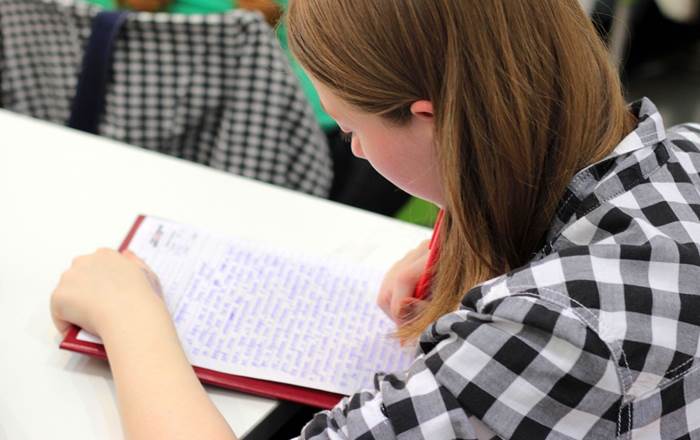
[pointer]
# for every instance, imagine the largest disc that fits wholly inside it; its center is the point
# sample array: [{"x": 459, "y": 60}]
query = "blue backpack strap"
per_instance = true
[{"x": 89, "y": 101}]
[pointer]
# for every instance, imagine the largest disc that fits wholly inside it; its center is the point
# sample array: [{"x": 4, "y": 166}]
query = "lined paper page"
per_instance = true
[{"x": 252, "y": 310}]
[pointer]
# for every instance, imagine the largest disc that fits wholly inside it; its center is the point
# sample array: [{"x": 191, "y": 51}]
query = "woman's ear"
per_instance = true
[{"x": 422, "y": 109}]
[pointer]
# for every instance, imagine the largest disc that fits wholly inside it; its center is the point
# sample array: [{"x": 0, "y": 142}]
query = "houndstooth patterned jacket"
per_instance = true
[
  {"x": 215, "y": 89},
  {"x": 596, "y": 338}
]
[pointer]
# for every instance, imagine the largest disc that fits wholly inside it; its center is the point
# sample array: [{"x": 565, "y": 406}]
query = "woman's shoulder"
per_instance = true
[
  {"x": 635, "y": 305},
  {"x": 685, "y": 136}
]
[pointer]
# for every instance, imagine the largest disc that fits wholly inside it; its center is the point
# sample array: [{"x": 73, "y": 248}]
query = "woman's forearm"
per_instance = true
[{"x": 159, "y": 394}]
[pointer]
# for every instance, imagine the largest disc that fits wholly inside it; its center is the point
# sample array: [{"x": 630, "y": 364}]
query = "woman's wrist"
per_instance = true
[
  {"x": 139, "y": 316},
  {"x": 159, "y": 394}
]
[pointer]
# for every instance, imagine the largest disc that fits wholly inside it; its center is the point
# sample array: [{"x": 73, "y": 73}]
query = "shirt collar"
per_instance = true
[
  {"x": 648, "y": 133},
  {"x": 650, "y": 129}
]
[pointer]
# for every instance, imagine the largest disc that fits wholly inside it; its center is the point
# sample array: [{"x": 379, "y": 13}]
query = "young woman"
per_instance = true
[{"x": 564, "y": 300}]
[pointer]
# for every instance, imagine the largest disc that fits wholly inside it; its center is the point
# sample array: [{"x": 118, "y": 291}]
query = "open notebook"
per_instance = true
[{"x": 274, "y": 322}]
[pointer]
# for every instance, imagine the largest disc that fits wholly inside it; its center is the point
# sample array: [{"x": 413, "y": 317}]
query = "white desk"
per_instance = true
[{"x": 64, "y": 193}]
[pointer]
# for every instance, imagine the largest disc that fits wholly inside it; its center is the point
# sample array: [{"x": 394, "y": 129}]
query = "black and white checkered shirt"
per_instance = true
[
  {"x": 596, "y": 338},
  {"x": 216, "y": 89}
]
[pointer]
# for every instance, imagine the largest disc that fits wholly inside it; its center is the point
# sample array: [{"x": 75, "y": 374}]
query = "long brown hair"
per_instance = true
[{"x": 524, "y": 95}]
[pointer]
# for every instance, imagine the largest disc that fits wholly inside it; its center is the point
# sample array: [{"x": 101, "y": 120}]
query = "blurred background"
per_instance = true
[{"x": 657, "y": 43}]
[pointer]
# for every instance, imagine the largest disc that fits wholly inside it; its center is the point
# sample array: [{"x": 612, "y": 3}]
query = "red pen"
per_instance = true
[{"x": 423, "y": 285}]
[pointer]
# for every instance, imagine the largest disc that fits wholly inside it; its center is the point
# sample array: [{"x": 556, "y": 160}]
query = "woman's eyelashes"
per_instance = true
[{"x": 346, "y": 136}]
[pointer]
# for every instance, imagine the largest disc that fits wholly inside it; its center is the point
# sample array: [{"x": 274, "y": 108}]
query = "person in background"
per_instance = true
[
  {"x": 269, "y": 8},
  {"x": 355, "y": 182},
  {"x": 561, "y": 301}
]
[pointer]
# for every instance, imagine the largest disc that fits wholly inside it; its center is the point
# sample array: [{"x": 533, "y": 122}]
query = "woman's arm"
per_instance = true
[
  {"x": 158, "y": 392},
  {"x": 114, "y": 296},
  {"x": 523, "y": 367}
]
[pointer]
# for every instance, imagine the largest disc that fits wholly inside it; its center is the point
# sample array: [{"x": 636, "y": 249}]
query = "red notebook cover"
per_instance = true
[{"x": 264, "y": 388}]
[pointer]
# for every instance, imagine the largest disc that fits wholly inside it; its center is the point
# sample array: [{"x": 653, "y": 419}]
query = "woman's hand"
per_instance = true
[
  {"x": 103, "y": 289},
  {"x": 396, "y": 292},
  {"x": 115, "y": 296}
]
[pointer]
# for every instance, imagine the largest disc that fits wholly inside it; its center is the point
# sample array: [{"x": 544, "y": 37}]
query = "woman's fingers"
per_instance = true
[
  {"x": 99, "y": 289},
  {"x": 133, "y": 257},
  {"x": 408, "y": 308},
  {"x": 58, "y": 300},
  {"x": 152, "y": 277},
  {"x": 61, "y": 325},
  {"x": 384, "y": 297},
  {"x": 400, "y": 281},
  {"x": 405, "y": 285}
]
